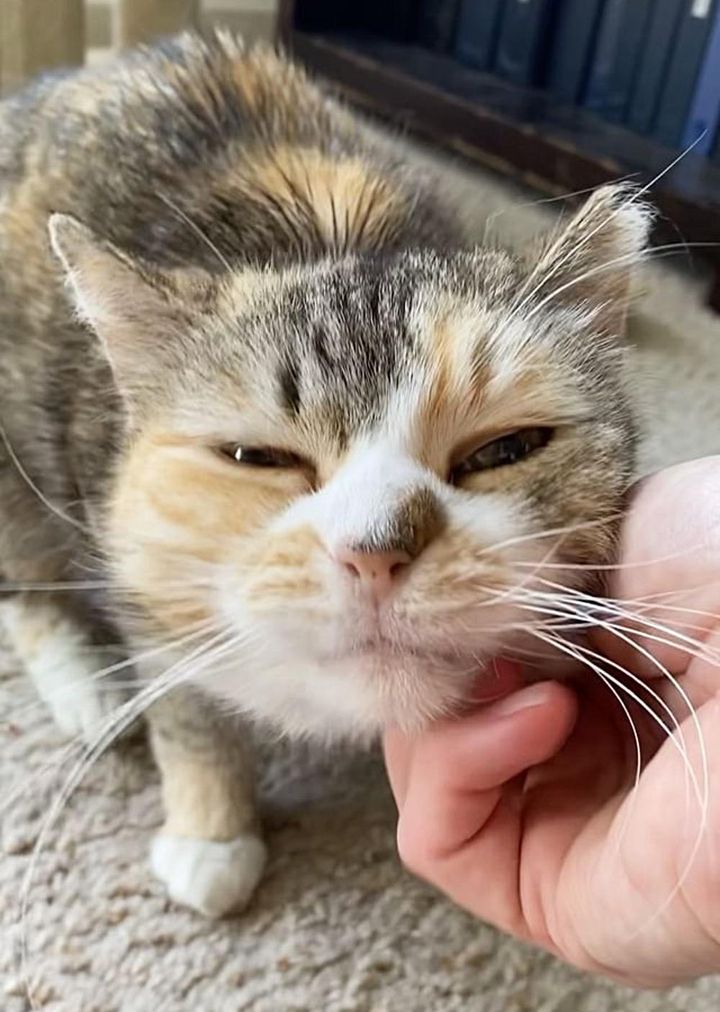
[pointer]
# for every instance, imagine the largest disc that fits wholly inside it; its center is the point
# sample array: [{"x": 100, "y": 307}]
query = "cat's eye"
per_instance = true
[
  {"x": 500, "y": 452},
  {"x": 260, "y": 456}
]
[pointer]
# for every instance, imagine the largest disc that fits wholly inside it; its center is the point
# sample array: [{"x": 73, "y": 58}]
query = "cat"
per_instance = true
[{"x": 269, "y": 422}]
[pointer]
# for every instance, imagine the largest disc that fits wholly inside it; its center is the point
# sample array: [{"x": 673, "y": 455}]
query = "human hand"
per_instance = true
[{"x": 524, "y": 811}]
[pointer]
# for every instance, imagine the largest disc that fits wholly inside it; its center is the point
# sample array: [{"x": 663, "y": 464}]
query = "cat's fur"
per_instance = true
[{"x": 256, "y": 266}]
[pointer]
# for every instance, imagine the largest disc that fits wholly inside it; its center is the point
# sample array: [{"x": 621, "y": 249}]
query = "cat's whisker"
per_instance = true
[
  {"x": 661, "y": 595},
  {"x": 559, "y": 262},
  {"x": 77, "y": 744},
  {"x": 649, "y": 608},
  {"x": 511, "y": 589},
  {"x": 673, "y": 637},
  {"x": 678, "y": 744},
  {"x": 9, "y": 587},
  {"x": 125, "y": 715},
  {"x": 613, "y": 630},
  {"x": 67, "y": 688},
  {"x": 558, "y": 607},
  {"x": 37, "y": 492},
  {"x": 574, "y": 621},
  {"x": 178, "y": 211},
  {"x": 527, "y": 580},
  {"x": 628, "y": 260},
  {"x": 526, "y": 654},
  {"x": 549, "y": 533},
  {"x": 624, "y": 706},
  {"x": 633, "y": 731},
  {"x": 702, "y": 793},
  {"x": 591, "y": 567},
  {"x": 703, "y": 797},
  {"x": 490, "y": 220}
]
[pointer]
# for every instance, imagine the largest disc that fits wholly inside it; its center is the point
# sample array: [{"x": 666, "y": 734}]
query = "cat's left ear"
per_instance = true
[
  {"x": 139, "y": 314},
  {"x": 589, "y": 262}
]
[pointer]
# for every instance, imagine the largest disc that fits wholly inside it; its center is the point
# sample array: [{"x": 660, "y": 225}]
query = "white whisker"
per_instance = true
[
  {"x": 549, "y": 533},
  {"x": 56, "y": 510},
  {"x": 636, "y": 741},
  {"x": 627, "y": 260},
  {"x": 592, "y": 567},
  {"x": 557, "y": 264},
  {"x": 9, "y": 587},
  {"x": 177, "y": 674},
  {"x": 197, "y": 230},
  {"x": 68, "y": 686},
  {"x": 677, "y": 639},
  {"x": 702, "y": 793}
]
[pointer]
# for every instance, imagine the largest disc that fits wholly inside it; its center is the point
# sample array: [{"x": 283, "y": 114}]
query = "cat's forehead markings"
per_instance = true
[
  {"x": 239, "y": 288},
  {"x": 288, "y": 377},
  {"x": 442, "y": 341},
  {"x": 319, "y": 340},
  {"x": 347, "y": 200},
  {"x": 456, "y": 342}
]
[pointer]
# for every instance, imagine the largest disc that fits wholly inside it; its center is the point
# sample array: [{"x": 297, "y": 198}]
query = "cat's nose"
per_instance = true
[{"x": 377, "y": 571}]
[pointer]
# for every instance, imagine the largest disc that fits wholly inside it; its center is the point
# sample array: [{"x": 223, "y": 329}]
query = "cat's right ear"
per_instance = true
[
  {"x": 138, "y": 314},
  {"x": 589, "y": 261}
]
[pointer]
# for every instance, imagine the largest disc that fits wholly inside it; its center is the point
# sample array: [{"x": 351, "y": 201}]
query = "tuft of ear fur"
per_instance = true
[
  {"x": 590, "y": 260},
  {"x": 137, "y": 313}
]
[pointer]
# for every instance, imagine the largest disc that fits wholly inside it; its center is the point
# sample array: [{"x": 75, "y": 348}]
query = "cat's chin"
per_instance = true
[{"x": 355, "y": 696}]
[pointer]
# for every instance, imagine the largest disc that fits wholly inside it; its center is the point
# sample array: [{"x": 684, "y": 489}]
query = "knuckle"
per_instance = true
[{"x": 416, "y": 853}]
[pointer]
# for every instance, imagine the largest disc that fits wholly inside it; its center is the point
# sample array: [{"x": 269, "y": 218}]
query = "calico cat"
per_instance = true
[{"x": 311, "y": 447}]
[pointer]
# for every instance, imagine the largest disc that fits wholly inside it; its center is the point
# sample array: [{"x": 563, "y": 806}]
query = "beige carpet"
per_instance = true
[{"x": 336, "y": 926}]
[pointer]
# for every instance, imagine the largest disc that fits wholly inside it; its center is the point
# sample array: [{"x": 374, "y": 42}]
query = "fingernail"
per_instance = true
[{"x": 535, "y": 695}]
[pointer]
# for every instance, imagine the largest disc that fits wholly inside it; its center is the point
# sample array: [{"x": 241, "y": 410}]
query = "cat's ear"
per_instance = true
[
  {"x": 139, "y": 315},
  {"x": 589, "y": 261}
]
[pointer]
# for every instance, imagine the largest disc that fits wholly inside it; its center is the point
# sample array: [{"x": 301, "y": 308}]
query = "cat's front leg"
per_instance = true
[
  {"x": 58, "y": 652},
  {"x": 209, "y": 853}
]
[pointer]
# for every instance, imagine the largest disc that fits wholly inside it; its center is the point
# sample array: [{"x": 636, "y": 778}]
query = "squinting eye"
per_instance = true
[
  {"x": 505, "y": 450},
  {"x": 260, "y": 456}
]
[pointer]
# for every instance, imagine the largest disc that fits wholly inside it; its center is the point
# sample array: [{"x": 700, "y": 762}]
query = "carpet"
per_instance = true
[{"x": 336, "y": 926}]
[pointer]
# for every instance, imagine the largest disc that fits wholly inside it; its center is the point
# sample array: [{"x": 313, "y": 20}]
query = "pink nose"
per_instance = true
[{"x": 378, "y": 571}]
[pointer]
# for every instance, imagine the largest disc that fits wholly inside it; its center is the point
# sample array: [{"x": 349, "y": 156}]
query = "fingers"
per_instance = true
[
  {"x": 671, "y": 536},
  {"x": 669, "y": 570},
  {"x": 660, "y": 867},
  {"x": 459, "y": 823},
  {"x": 498, "y": 679}
]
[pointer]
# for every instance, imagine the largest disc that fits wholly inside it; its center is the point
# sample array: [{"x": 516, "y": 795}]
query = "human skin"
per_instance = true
[{"x": 524, "y": 811}]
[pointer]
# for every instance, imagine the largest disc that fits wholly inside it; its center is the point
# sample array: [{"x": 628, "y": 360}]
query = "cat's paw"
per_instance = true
[
  {"x": 65, "y": 669},
  {"x": 81, "y": 701},
  {"x": 211, "y": 877},
  {"x": 83, "y": 709}
]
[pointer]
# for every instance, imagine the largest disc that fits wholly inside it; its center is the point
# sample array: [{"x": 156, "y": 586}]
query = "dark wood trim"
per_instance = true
[
  {"x": 284, "y": 22},
  {"x": 714, "y": 294},
  {"x": 516, "y": 131}
]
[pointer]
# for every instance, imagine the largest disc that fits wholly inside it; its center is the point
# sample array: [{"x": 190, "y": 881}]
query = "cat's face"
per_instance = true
[{"x": 361, "y": 471}]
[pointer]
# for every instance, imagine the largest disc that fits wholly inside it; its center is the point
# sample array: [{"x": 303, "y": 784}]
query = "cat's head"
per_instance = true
[{"x": 359, "y": 473}]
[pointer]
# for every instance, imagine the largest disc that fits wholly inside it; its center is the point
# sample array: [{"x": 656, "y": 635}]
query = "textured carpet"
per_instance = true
[{"x": 336, "y": 926}]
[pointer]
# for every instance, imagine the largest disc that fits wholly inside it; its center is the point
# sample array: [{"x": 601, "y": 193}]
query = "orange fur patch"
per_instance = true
[
  {"x": 345, "y": 200},
  {"x": 282, "y": 567},
  {"x": 453, "y": 392},
  {"x": 201, "y": 798},
  {"x": 175, "y": 517}
]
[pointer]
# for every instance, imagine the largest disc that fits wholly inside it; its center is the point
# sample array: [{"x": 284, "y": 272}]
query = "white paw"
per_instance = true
[
  {"x": 65, "y": 668},
  {"x": 211, "y": 877},
  {"x": 82, "y": 708},
  {"x": 80, "y": 698}
]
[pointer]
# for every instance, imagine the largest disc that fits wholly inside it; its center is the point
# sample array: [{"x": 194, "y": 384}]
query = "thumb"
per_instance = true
[{"x": 458, "y": 828}]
